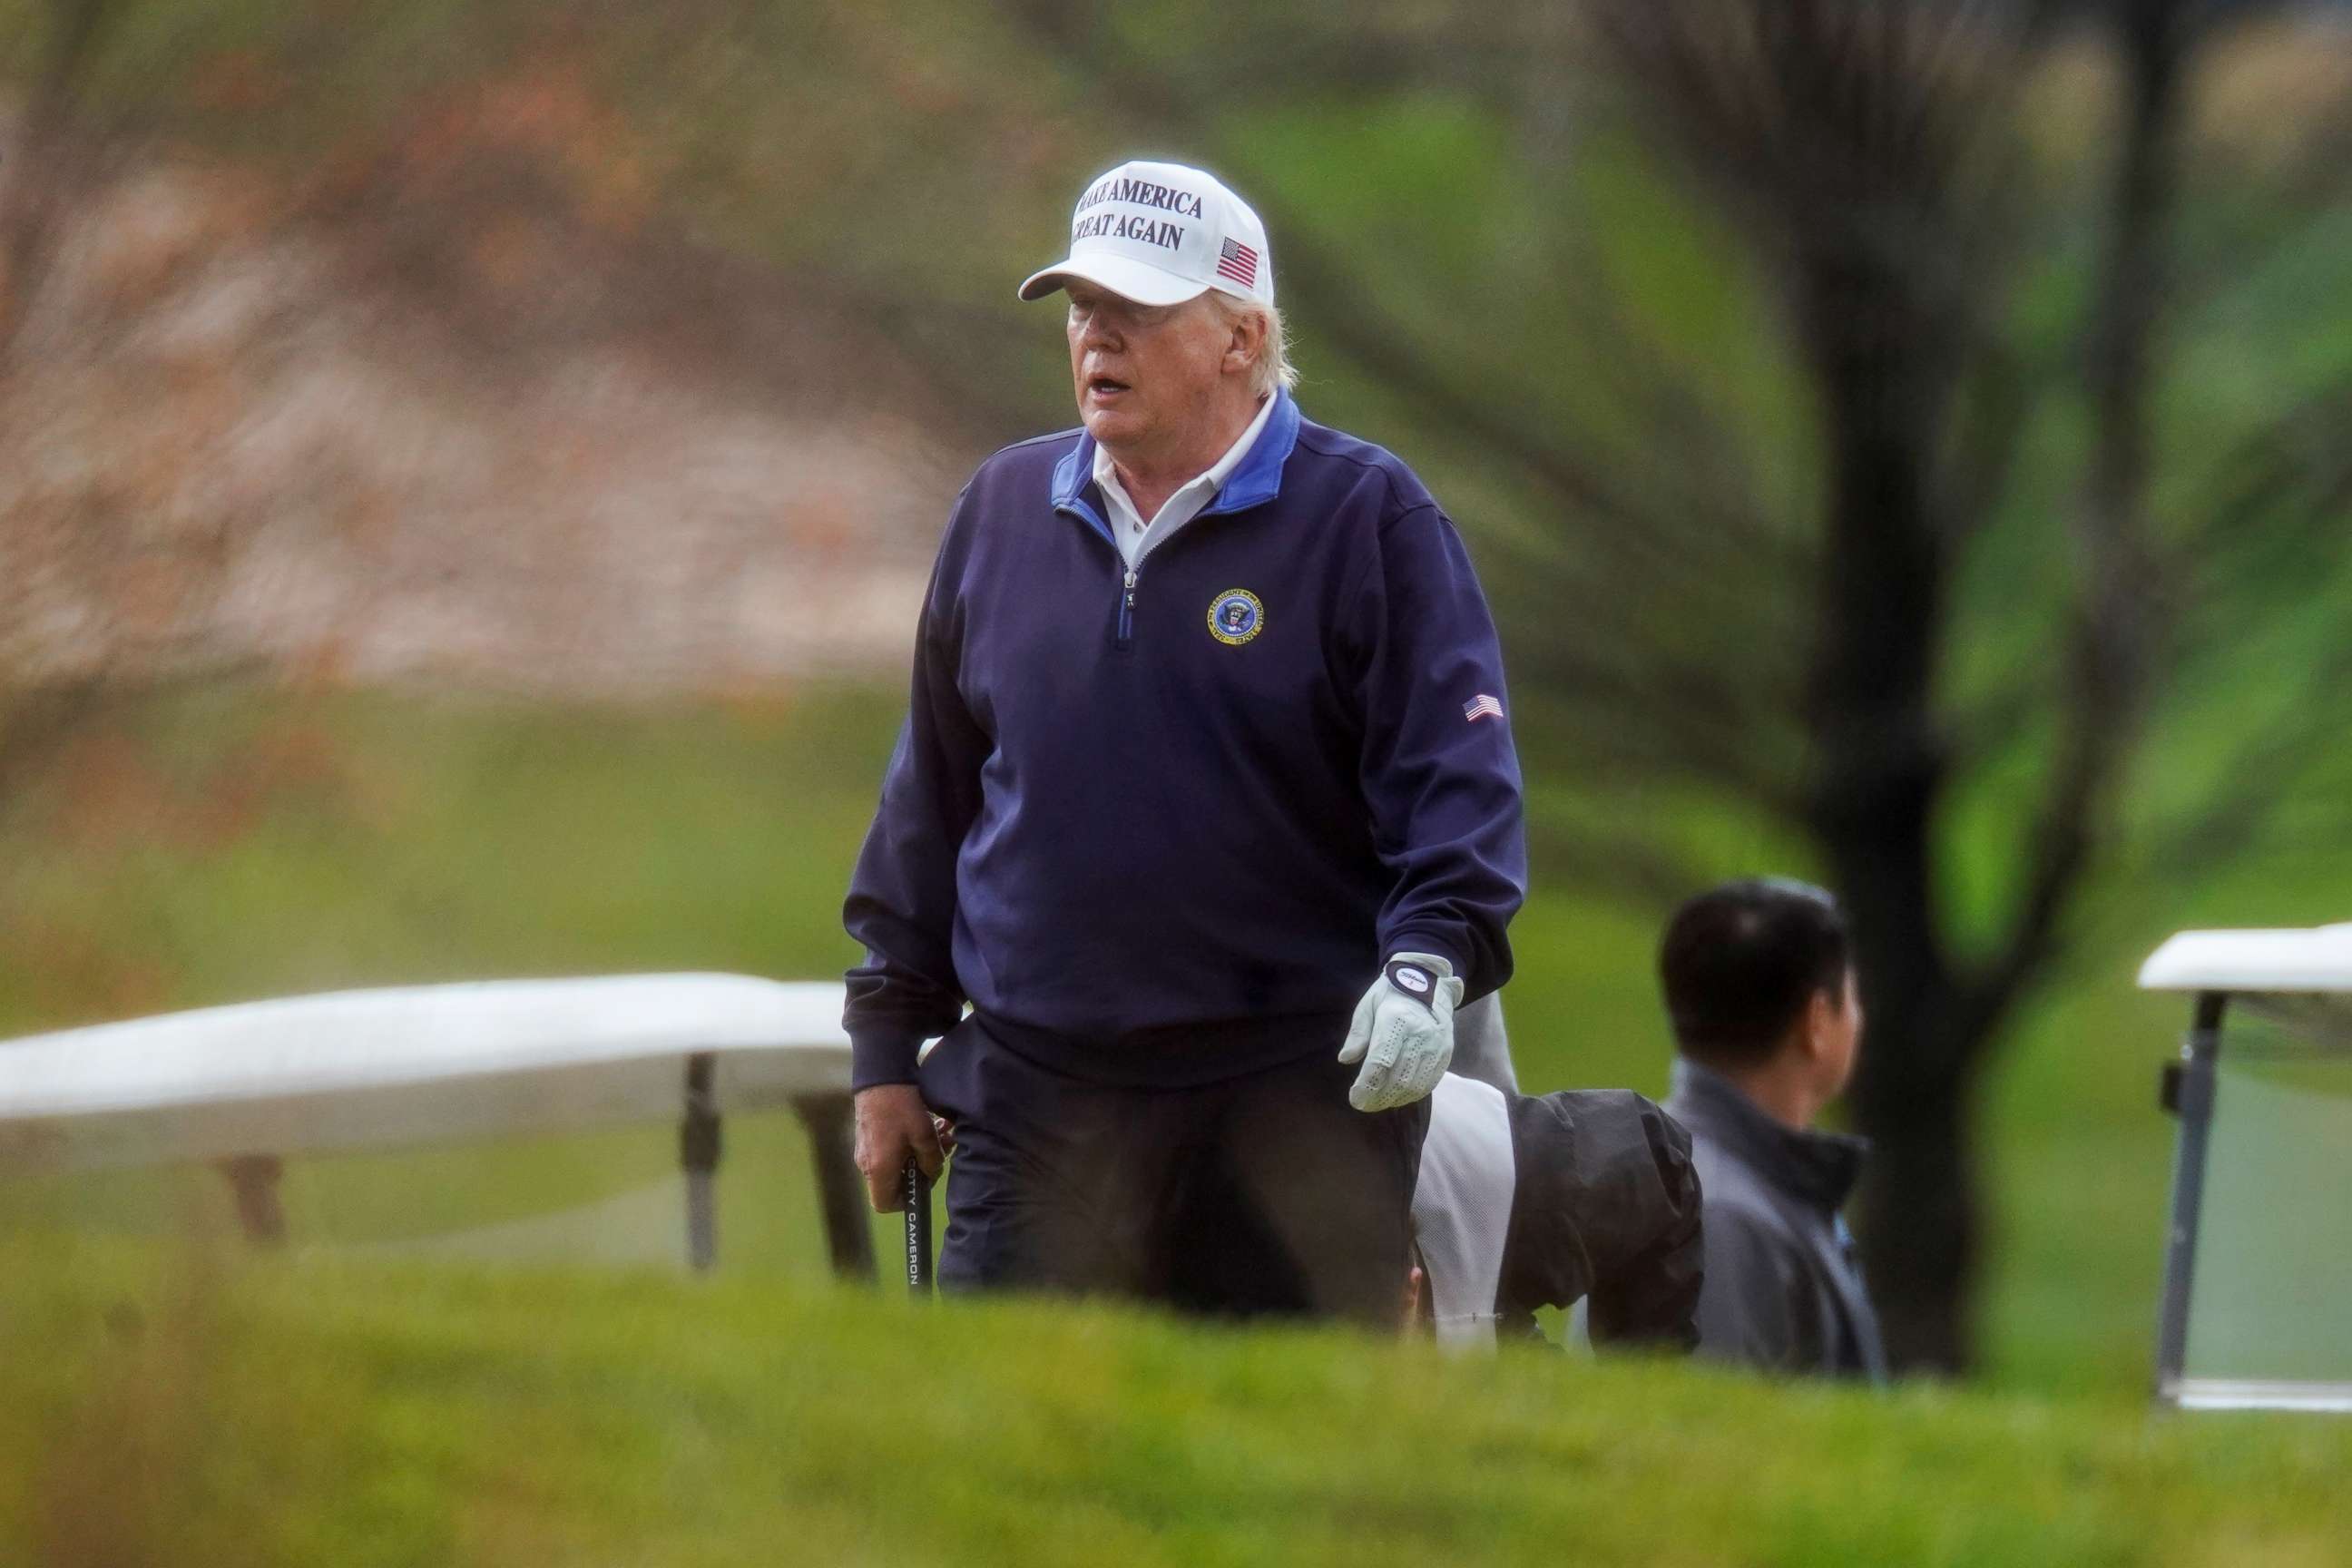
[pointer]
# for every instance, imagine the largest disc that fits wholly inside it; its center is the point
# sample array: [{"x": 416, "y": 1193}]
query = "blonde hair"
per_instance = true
[{"x": 1273, "y": 368}]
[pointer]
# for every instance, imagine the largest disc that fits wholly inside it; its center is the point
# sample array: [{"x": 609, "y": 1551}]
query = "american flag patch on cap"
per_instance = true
[
  {"x": 1238, "y": 262},
  {"x": 1482, "y": 707}
]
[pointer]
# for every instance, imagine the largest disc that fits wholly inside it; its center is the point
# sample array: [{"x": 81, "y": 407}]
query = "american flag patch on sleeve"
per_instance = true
[{"x": 1482, "y": 707}]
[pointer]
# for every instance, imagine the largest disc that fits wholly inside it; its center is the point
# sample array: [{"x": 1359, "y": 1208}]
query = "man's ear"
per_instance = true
[
  {"x": 1820, "y": 1022},
  {"x": 1247, "y": 341}
]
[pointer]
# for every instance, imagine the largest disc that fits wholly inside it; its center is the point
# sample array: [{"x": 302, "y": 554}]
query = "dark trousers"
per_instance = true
[{"x": 1261, "y": 1195}]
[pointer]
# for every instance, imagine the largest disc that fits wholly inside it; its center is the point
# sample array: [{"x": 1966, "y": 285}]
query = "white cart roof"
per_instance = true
[
  {"x": 427, "y": 1064},
  {"x": 2245, "y": 960}
]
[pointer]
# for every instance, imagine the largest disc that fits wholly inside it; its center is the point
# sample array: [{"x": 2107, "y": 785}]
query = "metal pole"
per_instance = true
[
  {"x": 260, "y": 1214},
  {"x": 2195, "y": 1091},
  {"x": 698, "y": 1155},
  {"x": 840, "y": 1191}
]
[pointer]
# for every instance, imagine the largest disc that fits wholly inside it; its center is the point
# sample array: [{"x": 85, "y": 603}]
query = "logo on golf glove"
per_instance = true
[
  {"x": 1412, "y": 979},
  {"x": 1403, "y": 1032}
]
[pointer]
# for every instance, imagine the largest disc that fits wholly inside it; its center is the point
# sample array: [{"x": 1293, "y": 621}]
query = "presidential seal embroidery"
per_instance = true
[{"x": 1235, "y": 616}]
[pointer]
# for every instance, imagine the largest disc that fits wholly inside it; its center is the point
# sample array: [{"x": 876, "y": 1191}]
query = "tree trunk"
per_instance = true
[
  {"x": 1918, "y": 1213},
  {"x": 1879, "y": 352}
]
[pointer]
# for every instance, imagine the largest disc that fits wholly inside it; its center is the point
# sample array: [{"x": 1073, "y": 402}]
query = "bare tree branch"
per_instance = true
[
  {"x": 2113, "y": 635},
  {"x": 2251, "y": 780},
  {"x": 2277, "y": 499}
]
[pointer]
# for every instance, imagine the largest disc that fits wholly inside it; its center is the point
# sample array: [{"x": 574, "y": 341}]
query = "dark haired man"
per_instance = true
[{"x": 1761, "y": 990}]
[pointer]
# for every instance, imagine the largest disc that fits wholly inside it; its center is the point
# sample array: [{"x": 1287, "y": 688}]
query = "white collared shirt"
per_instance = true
[{"x": 1137, "y": 539}]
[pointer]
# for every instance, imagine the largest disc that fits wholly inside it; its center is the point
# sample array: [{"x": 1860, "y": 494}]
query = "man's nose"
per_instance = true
[{"x": 1100, "y": 330}]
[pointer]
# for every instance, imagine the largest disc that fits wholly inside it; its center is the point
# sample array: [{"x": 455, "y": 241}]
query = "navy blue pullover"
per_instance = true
[{"x": 1154, "y": 833}]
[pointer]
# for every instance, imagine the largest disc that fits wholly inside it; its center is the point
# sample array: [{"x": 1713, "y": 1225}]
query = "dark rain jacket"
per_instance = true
[
  {"x": 1783, "y": 1290},
  {"x": 1530, "y": 1201}
]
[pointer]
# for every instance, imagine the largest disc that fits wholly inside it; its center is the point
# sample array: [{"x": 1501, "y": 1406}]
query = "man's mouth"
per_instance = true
[{"x": 1106, "y": 386}]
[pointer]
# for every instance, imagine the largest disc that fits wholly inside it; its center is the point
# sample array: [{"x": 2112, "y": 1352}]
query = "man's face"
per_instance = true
[{"x": 1147, "y": 376}]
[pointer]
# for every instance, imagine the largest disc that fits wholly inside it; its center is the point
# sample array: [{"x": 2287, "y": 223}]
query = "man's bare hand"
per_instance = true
[{"x": 893, "y": 1126}]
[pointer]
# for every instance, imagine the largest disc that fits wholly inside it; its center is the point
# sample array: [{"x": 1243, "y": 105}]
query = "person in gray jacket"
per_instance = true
[{"x": 1767, "y": 1015}]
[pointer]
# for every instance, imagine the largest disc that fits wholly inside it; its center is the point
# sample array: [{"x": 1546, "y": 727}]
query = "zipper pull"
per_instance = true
[{"x": 1125, "y": 636}]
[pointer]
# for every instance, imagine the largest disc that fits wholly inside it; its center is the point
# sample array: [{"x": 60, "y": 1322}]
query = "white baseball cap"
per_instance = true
[{"x": 1160, "y": 234}]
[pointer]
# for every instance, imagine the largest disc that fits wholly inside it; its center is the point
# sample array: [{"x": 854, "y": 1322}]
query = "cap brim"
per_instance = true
[{"x": 1124, "y": 276}]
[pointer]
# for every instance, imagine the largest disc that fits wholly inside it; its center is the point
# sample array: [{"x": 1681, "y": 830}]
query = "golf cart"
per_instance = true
[
  {"x": 243, "y": 1087},
  {"x": 2258, "y": 1259}
]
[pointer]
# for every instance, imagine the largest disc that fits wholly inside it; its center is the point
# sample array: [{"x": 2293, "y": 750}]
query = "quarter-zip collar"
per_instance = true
[
  {"x": 1256, "y": 480},
  {"x": 1139, "y": 535}
]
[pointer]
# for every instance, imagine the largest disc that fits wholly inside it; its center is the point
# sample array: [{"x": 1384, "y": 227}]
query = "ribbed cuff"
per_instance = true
[
  {"x": 882, "y": 1055},
  {"x": 1430, "y": 942}
]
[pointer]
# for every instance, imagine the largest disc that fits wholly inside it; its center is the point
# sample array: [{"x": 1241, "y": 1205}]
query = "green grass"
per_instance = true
[
  {"x": 168, "y": 1404},
  {"x": 229, "y": 845}
]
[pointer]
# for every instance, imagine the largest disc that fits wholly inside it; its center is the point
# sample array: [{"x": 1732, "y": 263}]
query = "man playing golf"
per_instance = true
[{"x": 1206, "y": 803}]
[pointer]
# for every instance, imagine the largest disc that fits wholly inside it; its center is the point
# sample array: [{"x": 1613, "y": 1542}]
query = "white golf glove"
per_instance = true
[{"x": 1403, "y": 1032}]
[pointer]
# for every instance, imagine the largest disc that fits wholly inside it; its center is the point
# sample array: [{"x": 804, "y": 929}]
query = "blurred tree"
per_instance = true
[
  {"x": 103, "y": 593},
  {"x": 1874, "y": 155},
  {"x": 1685, "y": 615},
  {"x": 1867, "y": 148},
  {"x": 45, "y": 156}
]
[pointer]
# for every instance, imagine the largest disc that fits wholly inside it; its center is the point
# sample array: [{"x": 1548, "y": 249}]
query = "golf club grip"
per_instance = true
[{"x": 915, "y": 1198}]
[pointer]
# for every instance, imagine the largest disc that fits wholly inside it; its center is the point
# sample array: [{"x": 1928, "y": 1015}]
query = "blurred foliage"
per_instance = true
[
  {"x": 1476, "y": 181},
  {"x": 1459, "y": 191}
]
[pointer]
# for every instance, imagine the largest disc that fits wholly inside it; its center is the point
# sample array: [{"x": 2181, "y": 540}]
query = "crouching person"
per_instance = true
[
  {"x": 1759, "y": 984},
  {"x": 1531, "y": 1201}
]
